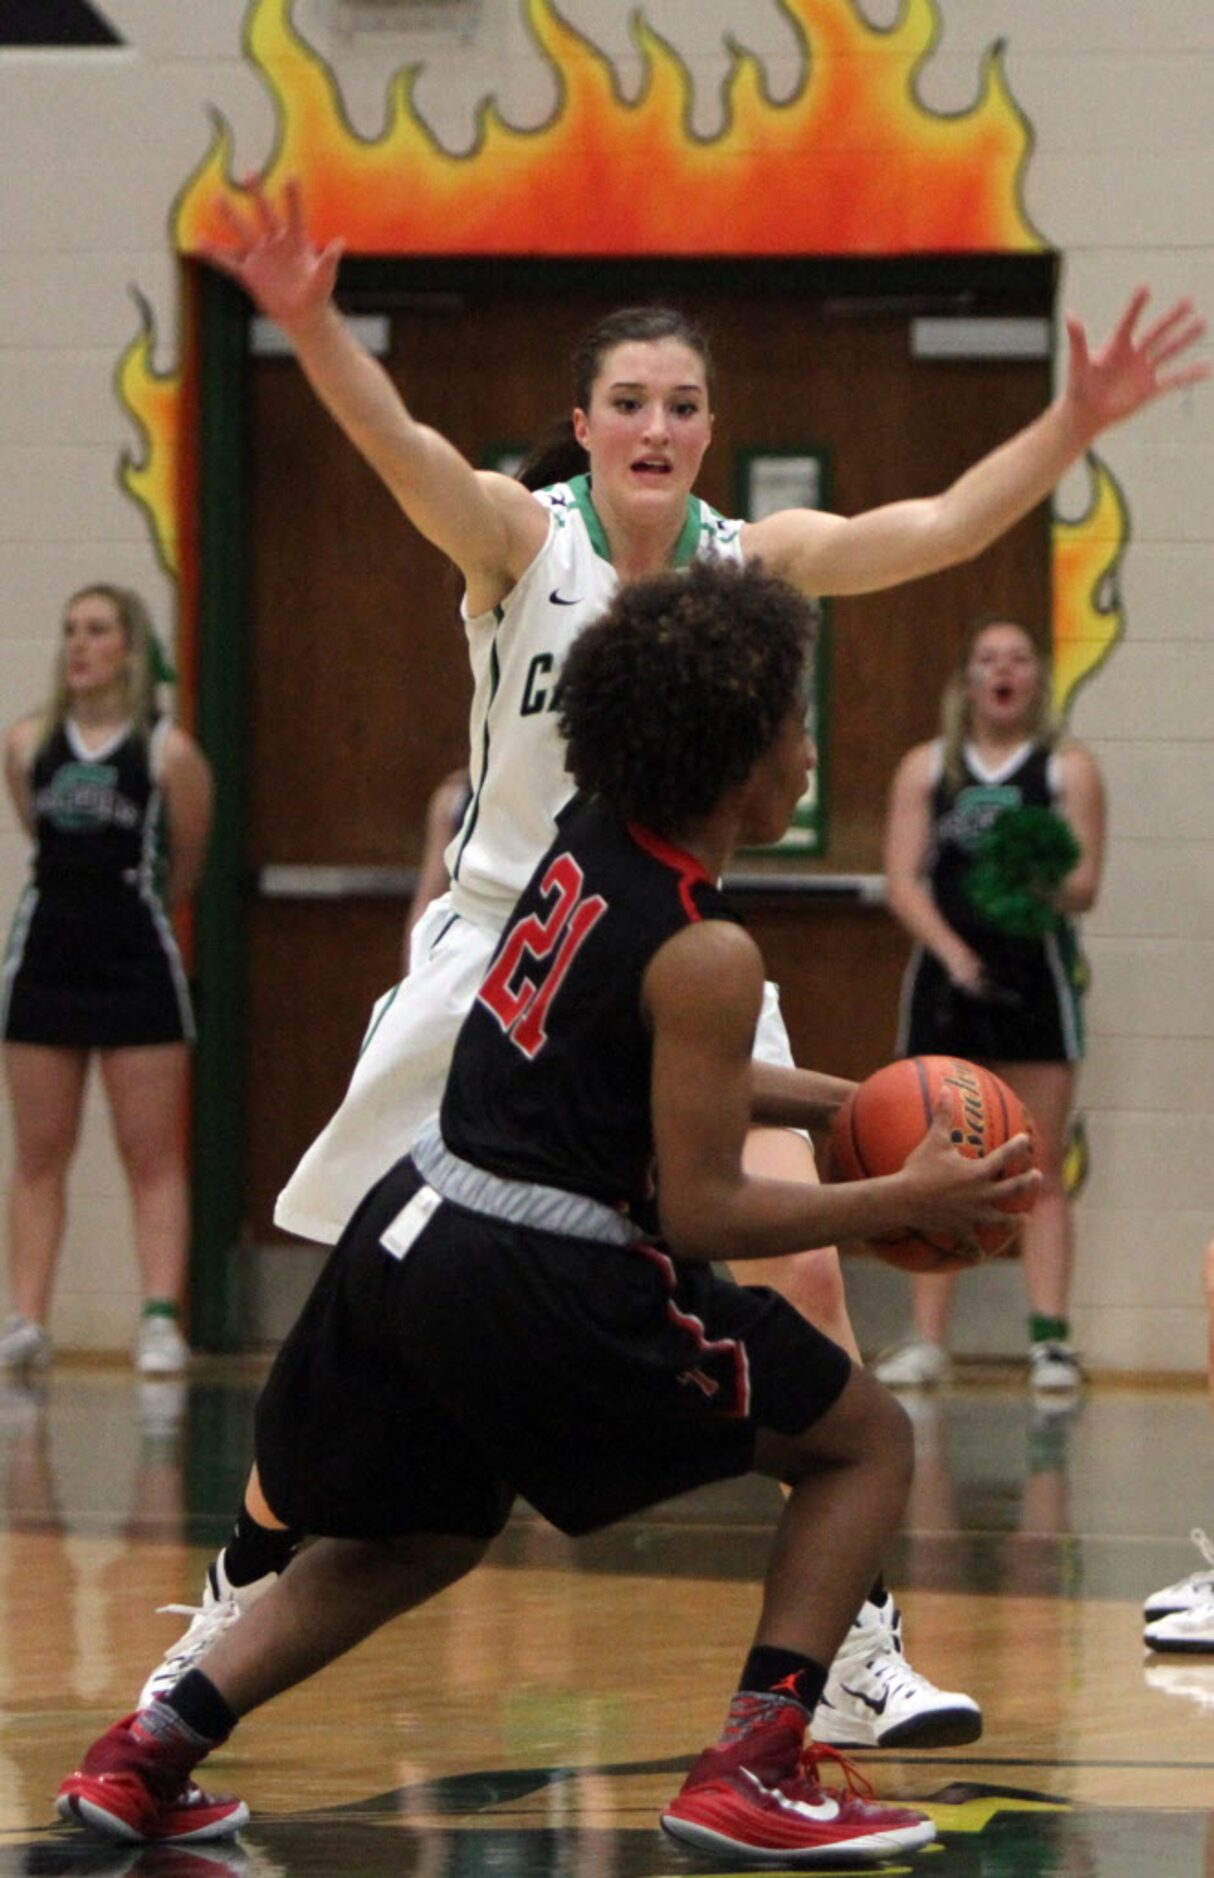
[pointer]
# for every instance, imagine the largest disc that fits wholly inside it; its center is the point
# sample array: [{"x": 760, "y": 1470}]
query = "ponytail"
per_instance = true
[{"x": 556, "y": 458}]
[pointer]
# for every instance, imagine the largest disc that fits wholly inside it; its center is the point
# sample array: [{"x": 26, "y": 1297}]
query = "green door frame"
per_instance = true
[{"x": 222, "y": 314}]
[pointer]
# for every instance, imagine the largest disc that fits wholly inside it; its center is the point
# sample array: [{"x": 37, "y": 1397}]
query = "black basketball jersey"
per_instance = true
[
  {"x": 550, "y": 1077},
  {"x": 98, "y": 817},
  {"x": 961, "y": 817}
]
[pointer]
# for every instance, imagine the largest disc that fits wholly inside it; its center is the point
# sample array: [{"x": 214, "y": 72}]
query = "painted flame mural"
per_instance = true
[
  {"x": 150, "y": 474},
  {"x": 812, "y": 176},
  {"x": 853, "y": 164},
  {"x": 1088, "y": 620}
]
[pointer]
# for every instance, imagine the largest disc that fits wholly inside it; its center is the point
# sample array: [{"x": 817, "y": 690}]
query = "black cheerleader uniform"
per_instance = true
[
  {"x": 497, "y": 1318},
  {"x": 1033, "y": 1010},
  {"x": 92, "y": 962}
]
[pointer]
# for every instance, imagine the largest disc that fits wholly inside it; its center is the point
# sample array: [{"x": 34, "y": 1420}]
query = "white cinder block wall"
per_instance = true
[{"x": 93, "y": 149}]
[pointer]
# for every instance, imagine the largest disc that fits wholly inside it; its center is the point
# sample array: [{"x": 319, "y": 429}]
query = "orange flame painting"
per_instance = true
[
  {"x": 1088, "y": 617},
  {"x": 149, "y": 475},
  {"x": 853, "y": 163}
]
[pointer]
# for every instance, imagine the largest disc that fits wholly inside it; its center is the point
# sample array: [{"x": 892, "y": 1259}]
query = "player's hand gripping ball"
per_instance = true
[{"x": 888, "y": 1115}]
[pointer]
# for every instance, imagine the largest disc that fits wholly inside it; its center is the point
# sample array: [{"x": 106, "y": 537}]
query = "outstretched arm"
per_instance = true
[
  {"x": 833, "y": 554},
  {"x": 489, "y": 526}
]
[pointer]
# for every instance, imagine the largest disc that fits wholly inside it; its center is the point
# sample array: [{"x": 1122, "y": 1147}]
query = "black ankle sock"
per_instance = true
[
  {"x": 197, "y": 1702},
  {"x": 879, "y": 1591},
  {"x": 768, "y": 1671},
  {"x": 253, "y": 1550}
]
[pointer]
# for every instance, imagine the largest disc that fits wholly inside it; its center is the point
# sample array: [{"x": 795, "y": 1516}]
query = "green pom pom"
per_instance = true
[{"x": 1023, "y": 856}]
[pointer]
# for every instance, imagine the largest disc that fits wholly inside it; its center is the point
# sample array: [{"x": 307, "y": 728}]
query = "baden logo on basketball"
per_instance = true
[{"x": 887, "y": 1117}]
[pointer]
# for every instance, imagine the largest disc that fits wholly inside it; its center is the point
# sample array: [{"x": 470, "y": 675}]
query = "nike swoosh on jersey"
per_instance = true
[{"x": 557, "y": 598}]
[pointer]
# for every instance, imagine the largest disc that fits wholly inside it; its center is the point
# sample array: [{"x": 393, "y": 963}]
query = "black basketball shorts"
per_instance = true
[{"x": 424, "y": 1393}]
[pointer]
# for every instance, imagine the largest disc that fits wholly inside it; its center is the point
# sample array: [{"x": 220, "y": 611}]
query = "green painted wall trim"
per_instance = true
[{"x": 218, "y": 1147}]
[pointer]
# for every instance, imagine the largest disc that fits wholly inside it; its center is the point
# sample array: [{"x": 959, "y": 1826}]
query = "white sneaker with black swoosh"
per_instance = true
[
  {"x": 1197, "y": 1588},
  {"x": 874, "y": 1699},
  {"x": 756, "y": 1797},
  {"x": 1189, "y": 1632}
]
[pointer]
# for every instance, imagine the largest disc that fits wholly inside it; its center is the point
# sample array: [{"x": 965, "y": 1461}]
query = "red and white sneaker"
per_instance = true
[
  {"x": 758, "y": 1799},
  {"x": 133, "y": 1787}
]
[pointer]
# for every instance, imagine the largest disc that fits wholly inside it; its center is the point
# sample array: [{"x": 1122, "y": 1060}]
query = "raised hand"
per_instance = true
[
  {"x": 1131, "y": 369},
  {"x": 273, "y": 257}
]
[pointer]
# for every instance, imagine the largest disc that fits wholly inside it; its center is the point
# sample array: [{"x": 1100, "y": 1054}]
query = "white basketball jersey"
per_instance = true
[{"x": 517, "y": 761}]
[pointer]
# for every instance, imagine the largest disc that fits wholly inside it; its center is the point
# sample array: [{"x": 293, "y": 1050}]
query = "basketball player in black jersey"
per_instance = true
[{"x": 526, "y": 1304}]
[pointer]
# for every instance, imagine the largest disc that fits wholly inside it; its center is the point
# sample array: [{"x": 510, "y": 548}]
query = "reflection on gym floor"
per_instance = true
[{"x": 533, "y": 1719}]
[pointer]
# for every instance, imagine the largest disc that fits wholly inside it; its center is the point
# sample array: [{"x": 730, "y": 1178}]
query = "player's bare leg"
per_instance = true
[
  {"x": 136, "y": 1783},
  {"x": 872, "y": 1696},
  {"x": 1047, "y": 1243},
  {"x": 257, "y": 1551},
  {"x": 758, "y": 1789},
  {"x": 335, "y": 1593},
  {"x": 812, "y": 1281}
]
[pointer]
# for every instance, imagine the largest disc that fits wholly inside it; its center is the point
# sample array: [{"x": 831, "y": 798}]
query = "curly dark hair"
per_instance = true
[{"x": 675, "y": 693}]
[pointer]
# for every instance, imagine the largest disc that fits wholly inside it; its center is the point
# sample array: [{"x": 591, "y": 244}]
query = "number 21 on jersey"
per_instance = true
[{"x": 536, "y": 957}]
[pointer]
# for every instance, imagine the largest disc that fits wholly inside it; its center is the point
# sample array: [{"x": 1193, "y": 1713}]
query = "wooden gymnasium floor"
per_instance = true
[{"x": 530, "y": 1722}]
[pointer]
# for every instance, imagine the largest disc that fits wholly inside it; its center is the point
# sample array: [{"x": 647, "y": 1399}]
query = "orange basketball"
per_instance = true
[{"x": 889, "y": 1114}]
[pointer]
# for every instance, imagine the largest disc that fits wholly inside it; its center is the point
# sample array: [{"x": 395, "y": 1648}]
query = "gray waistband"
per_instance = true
[{"x": 523, "y": 1202}]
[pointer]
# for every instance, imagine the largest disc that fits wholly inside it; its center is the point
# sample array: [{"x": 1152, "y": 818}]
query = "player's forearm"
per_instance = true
[
  {"x": 914, "y": 909},
  {"x": 758, "y": 1218},
  {"x": 1077, "y": 894},
  {"x": 796, "y": 1098},
  {"x": 354, "y": 388},
  {"x": 991, "y": 496}
]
